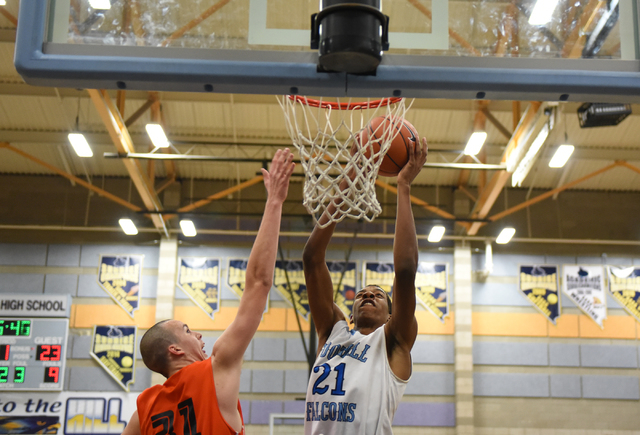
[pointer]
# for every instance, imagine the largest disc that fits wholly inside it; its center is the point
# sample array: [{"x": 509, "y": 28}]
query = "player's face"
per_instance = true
[
  {"x": 189, "y": 341},
  {"x": 371, "y": 303}
]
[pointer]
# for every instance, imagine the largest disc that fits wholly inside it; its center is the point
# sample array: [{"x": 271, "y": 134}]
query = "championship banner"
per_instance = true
[
  {"x": 624, "y": 285},
  {"x": 237, "y": 277},
  {"x": 343, "y": 276},
  {"x": 114, "y": 348},
  {"x": 120, "y": 276},
  {"x": 585, "y": 287},
  {"x": 539, "y": 284},
  {"x": 199, "y": 278},
  {"x": 432, "y": 288},
  {"x": 380, "y": 274},
  {"x": 292, "y": 270}
]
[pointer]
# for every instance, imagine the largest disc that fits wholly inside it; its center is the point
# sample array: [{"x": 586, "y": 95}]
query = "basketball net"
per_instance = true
[{"x": 326, "y": 135}]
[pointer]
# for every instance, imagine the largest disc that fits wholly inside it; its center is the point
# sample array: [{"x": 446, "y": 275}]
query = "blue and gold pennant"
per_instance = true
[
  {"x": 539, "y": 284},
  {"x": 293, "y": 270},
  {"x": 432, "y": 288},
  {"x": 624, "y": 286},
  {"x": 120, "y": 276},
  {"x": 114, "y": 348},
  {"x": 199, "y": 278},
  {"x": 237, "y": 277},
  {"x": 379, "y": 273},
  {"x": 343, "y": 276}
]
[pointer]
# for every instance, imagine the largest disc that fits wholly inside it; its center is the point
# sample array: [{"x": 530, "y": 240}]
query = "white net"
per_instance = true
[{"x": 327, "y": 135}]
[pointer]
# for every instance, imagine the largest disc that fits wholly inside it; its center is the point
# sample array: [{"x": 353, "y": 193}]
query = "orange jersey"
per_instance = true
[{"x": 186, "y": 404}]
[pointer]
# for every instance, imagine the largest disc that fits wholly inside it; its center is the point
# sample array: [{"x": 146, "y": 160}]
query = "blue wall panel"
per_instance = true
[
  {"x": 63, "y": 256},
  {"x": 432, "y": 352},
  {"x": 61, "y": 284},
  {"x": 295, "y": 381},
  {"x": 504, "y": 353},
  {"x": 610, "y": 387},
  {"x": 511, "y": 384},
  {"x": 566, "y": 386},
  {"x": 21, "y": 254},
  {"x": 564, "y": 355},
  {"x": 23, "y": 283},
  {"x": 431, "y": 384},
  {"x": 609, "y": 356},
  {"x": 425, "y": 414},
  {"x": 267, "y": 381},
  {"x": 268, "y": 349}
]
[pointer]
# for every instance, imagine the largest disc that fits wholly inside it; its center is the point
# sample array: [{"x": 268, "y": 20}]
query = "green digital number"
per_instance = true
[
  {"x": 15, "y": 327},
  {"x": 4, "y": 374},
  {"x": 18, "y": 376},
  {"x": 25, "y": 328}
]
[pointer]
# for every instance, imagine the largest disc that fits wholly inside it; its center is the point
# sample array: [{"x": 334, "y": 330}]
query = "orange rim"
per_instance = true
[{"x": 344, "y": 106}]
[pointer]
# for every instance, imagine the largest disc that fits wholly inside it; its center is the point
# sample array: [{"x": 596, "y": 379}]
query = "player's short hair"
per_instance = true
[
  {"x": 153, "y": 347},
  {"x": 381, "y": 289}
]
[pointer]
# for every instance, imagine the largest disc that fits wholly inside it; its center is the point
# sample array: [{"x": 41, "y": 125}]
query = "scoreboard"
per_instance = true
[{"x": 32, "y": 354}]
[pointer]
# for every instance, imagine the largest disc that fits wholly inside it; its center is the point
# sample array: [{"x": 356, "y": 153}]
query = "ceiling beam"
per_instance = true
[
  {"x": 123, "y": 143},
  {"x": 491, "y": 192},
  {"x": 71, "y": 177},
  {"x": 552, "y": 192},
  {"x": 193, "y": 23}
]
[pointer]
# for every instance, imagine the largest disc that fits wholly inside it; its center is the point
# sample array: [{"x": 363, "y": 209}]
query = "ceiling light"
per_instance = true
[
  {"x": 80, "y": 145},
  {"x": 542, "y": 12},
  {"x": 156, "y": 133},
  {"x": 188, "y": 228},
  {"x": 128, "y": 227},
  {"x": 475, "y": 143},
  {"x": 436, "y": 233},
  {"x": 561, "y": 156},
  {"x": 529, "y": 158},
  {"x": 100, "y": 4},
  {"x": 505, "y": 236},
  {"x": 3, "y": 2}
]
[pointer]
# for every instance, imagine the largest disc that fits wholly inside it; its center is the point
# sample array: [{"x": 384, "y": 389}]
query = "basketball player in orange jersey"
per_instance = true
[
  {"x": 200, "y": 395},
  {"x": 360, "y": 375}
]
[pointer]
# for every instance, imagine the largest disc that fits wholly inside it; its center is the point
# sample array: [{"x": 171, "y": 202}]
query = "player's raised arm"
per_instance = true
[
  {"x": 403, "y": 328},
  {"x": 230, "y": 347},
  {"x": 324, "y": 311}
]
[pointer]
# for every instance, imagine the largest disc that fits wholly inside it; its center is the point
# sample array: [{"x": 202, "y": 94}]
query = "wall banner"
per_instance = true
[
  {"x": 343, "y": 276},
  {"x": 292, "y": 269},
  {"x": 585, "y": 287},
  {"x": 539, "y": 284},
  {"x": 432, "y": 288},
  {"x": 237, "y": 277},
  {"x": 624, "y": 285},
  {"x": 120, "y": 277},
  {"x": 66, "y": 413},
  {"x": 114, "y": 348},
  {"x": 199, "y": 278},
  {"x": 380, "y": 274}
]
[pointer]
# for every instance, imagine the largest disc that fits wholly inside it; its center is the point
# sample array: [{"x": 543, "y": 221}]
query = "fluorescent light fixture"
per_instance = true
[
  {"x": 156, "y": 133},
  {"x": 80, "y": 145},
  {"x": 542, "y": 12},
  {"x": 188, "y": 228},
  {"x": 525, "y": 165},
  {"x": 128, "y": 227},
  {"x": 561, "y": 156},
  {"x": 436, "y": 233},
  {"x": 505, "y": 236},
  {"x": 100, "y": 4},
  {"x": 475, "y": 143},
  {"x": 3, "y": 2}
]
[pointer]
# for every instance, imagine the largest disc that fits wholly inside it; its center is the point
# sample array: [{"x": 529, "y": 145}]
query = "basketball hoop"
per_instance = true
[{"x": 326, "y": 134}]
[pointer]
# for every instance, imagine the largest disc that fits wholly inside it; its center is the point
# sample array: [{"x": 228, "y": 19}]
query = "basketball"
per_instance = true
[{"x": 398, "y": 153}]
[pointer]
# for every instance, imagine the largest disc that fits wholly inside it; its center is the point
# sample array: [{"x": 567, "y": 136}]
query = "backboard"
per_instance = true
[{"x": 586, "y": 50}]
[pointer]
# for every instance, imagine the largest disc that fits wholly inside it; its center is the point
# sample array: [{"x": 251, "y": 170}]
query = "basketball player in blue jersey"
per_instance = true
[{"x": 360, "y": 375}]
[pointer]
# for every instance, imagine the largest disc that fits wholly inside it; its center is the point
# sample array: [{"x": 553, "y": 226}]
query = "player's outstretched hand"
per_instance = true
[
  {"x": 277, "y": 180},
  {"x": 417, "y": 159}
]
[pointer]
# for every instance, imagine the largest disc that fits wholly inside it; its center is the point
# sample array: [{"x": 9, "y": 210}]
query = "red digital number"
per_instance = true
[
  {"x": 51, "y": 374},
  {"x": 4, "y": 352},
  {"x": 55, "y": 353}
]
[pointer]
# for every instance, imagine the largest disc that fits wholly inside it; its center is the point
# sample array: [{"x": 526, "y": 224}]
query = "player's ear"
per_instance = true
[{"x": 175, "y": 350}]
